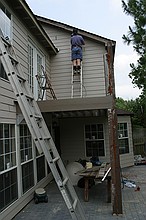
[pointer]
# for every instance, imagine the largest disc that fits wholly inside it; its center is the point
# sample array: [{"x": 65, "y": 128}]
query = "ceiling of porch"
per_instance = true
[{"x": 76, "y": 107}]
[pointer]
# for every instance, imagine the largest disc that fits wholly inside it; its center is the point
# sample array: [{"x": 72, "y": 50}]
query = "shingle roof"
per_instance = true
[{"x": 124, "y": 112}]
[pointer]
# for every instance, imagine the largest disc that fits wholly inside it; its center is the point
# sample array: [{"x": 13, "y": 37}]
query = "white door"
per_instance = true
[{"x": 35, "y": 62}]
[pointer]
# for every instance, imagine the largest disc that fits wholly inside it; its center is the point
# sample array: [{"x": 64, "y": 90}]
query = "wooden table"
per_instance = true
[{"x": 97, "y": 173}]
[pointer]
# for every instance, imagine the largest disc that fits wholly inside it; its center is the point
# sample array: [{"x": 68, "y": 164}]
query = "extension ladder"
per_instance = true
[
  {"x": 77, "y": 84},
  {"x": 38, "y": 129}
]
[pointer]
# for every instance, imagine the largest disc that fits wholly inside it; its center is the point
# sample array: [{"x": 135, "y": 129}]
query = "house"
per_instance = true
[
  {"x": 80, "y": 119},
  {"x": 79, "y": 125}
]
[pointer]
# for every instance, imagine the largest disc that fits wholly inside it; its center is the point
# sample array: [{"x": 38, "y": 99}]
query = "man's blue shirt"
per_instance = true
[{"x": 77, "y": 40}]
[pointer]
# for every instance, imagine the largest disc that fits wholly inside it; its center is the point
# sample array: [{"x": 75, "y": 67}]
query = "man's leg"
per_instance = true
[
  {"x": 79, "y": 59},
  {"x": 74, "y": 66},
  {"x": 78, "y": 65}
]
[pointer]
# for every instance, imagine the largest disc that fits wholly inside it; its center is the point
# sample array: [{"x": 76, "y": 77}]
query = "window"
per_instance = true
[
  {"x": 35, "y": 61},
  {"x": 8, "y": 188},
  {"x": 41, "y": 79},
  {"x": 5, "y": 28},
  {"x": 27, "y": 176},
  {"x": 25, "y": 143},
  {"x": 94, "y": 137},
  {"x": 30, "y": 67},
  {"x": 5, "y": 22},
  {"x": 123, "y": 138},
  {"x": 40, "y": 162},
  {"x": 40, "y": 168},
  {"x": 2, "y": 72},
  {"x": 7, "y": 146}
]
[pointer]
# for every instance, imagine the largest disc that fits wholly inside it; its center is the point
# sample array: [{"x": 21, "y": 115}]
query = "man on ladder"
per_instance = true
[{"x": 77, "y": 42}]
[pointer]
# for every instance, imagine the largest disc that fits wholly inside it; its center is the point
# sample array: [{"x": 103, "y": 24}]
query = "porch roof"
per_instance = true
[{"x": 76, "y": 104}]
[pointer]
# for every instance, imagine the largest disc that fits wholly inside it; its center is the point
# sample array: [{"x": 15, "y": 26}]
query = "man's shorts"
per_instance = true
[{"x": 76, "y": 53}]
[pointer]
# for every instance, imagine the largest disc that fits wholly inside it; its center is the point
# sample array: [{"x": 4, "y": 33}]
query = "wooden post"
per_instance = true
[{"x": 113, "y": 139}]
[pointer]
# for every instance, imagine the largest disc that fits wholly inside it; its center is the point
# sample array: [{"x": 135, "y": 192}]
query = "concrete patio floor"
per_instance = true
[{"x": 134, "y": 202}]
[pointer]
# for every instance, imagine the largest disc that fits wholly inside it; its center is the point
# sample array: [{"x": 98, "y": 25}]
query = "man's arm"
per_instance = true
[{"x": 83, "y": 42}]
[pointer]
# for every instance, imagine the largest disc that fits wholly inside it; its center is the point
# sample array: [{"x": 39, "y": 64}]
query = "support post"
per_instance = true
[{"x": 113, "y": 139}]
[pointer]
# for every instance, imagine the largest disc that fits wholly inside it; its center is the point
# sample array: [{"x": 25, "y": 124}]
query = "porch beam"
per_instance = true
[
  {"x": 92, "y": 103},
  {"x": 113, "y": 139}
]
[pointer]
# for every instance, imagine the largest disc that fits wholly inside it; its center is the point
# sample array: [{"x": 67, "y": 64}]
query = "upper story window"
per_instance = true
[
  {"x": 94, "y": 137},
  {"x": 5, "y": 30},
  {"x": 31, "y": 67},
  {"x": 123, "y": 138},
  {"x": 35, "y": 62},
  {"x": 5, "y": 22}
]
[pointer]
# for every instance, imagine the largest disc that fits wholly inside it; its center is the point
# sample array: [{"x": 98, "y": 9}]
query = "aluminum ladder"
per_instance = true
[
  {"x": 38, "y": 129},
  {"x": 77, "y": 84},
  {"x": 44, "y": 84}
]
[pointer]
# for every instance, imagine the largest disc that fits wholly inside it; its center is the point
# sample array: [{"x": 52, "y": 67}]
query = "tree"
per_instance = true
[
  {"x": 134, "y": 106},
  {"x": 137, "y": 36}
]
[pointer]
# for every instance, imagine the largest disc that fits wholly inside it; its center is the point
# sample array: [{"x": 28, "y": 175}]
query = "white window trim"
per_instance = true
[
  {"x": 14, "y": 166},
  {"x": 11, "y": 21},
  {"x": 96, "y": 139},
  {"x": 36, "y": 52},
  {"x": 122, "y": 138}
]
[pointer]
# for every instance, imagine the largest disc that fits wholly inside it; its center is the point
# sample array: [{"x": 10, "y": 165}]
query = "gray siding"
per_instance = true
[
  {"x": 61, "y": 65},
  {"x": 7, "y": 108},
  {"x": 20, "y": 39},
  {"x": 73, "y": 141},
  {"x": 127, "y": 159}
]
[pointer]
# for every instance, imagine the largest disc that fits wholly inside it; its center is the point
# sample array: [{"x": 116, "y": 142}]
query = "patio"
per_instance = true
[{"x": 134, "y": 201}]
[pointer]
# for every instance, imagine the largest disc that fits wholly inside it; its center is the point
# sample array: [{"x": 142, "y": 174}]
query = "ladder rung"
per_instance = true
[
  {"x": 32, "y": 114},
  {"x": 29, "y": 97},
  {"x": 6, "y": 42},
  {"x": 46, "y": 84},
  {"x": 46, "y": 138},
  {"x": 37, "y": 116},
  {"x": 65, "y": 181},
  {"x": 76, "y": 81},
  {"x": 21, "y": 77},
  {"x": 75, "y": 203},
  {"x": 55, "y": 159},
  {"x": 13, "y": 59}
]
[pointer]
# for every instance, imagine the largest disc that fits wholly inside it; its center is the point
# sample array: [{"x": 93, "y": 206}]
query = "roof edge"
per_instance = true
[
  {"x": 34, "y": 19},
  {"x": 124, "y": 112},
  {"x": 70, "y": 28}
]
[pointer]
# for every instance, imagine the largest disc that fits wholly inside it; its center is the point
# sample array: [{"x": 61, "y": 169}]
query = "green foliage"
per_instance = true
[
  {"x": 136, "y": 107},
  {"x": 137, "y": 36}
]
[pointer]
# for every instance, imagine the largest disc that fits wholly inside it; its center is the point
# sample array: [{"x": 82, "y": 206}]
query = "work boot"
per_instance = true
[
  {"x": 78, "y": 69},
  {"x": 74, "y": 70}
]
